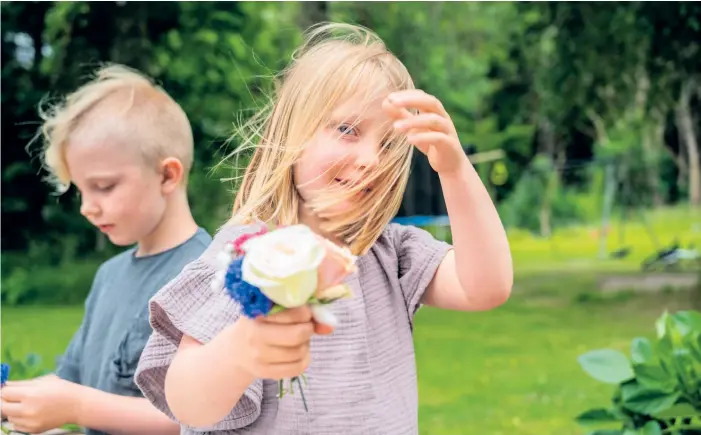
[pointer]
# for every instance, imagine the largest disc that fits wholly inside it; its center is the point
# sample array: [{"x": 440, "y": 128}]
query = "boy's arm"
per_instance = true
[
  {"x": 48, "y": 403},
  {"x": 116, "y": 414}
]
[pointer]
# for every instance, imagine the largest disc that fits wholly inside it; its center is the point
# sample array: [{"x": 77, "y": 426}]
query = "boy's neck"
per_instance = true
[{"x": 175, "y": 228}]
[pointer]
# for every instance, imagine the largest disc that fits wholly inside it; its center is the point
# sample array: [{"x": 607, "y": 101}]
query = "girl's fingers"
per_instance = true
[
  {"x": 395, "y": 111},
  {"x": 322, "y": 329},
  {"x": 301, "y": 314},
  {"x": 423, "y": 140},
  {"x": 417, "y": 99},
  {"x": 286, "y": 335},
  {"x": 284, "y": 355},
  {"x": 427, "y": 122}
]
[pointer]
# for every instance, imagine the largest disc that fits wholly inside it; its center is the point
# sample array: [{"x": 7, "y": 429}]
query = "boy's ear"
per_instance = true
[{"x": 173, "y": 174}]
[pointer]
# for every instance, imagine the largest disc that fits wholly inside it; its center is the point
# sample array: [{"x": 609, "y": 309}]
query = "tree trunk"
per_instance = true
[
  {"x": 548, "y": 147},
  {"x": 651, "y": 140},
  {"x": 688, "y": 138}
]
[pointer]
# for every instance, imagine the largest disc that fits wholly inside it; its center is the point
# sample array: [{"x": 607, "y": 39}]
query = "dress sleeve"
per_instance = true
[
  {"x": 189, "y": 305},
  {"x": 418, "y": 254}
]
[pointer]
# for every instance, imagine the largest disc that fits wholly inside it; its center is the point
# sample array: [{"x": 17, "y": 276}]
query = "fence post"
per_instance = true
[{"x": 609, "y": 194}]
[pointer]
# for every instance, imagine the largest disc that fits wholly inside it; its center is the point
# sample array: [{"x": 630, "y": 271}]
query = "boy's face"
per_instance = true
[
  {"x": 120, "y": 194},
  {"x": 343, "y": 153}
]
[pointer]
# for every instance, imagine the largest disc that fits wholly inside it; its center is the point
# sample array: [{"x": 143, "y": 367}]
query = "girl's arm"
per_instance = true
[
  {"x": 478, "y": 273},
  {"x": 206, "y": 381}
]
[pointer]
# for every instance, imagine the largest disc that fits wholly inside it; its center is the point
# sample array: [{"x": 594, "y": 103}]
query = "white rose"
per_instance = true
[{"x": 283, "y": 264}]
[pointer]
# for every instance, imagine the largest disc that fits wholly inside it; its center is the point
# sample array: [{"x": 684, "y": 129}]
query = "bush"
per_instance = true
[
  {"x": 658, "y": 390},
  {"x": 68, "y": 283}
]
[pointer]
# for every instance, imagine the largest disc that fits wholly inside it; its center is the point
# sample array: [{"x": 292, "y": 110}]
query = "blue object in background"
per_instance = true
[
  {"x": 441, "y": 222},
  {"x": 423, "y": 220}
]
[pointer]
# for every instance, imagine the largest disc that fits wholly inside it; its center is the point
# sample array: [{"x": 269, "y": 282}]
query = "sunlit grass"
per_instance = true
[{"x": 509, "y": 371}]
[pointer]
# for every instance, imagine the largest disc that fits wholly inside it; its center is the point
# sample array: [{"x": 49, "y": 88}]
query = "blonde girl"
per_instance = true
[{"x": 332, "y": 152}]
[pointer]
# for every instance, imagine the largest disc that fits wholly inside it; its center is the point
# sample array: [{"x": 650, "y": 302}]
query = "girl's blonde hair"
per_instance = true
[
  {"x": 336, "y": 64},
  {"x": 152, "y": 120}
]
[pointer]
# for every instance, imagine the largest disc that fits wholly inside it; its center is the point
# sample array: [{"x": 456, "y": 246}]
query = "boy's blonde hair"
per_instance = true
[
  {"x": 117, "y": 100},
  {"x": 336, "y": 64}
]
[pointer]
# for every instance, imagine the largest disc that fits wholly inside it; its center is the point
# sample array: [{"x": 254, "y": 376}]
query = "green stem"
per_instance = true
[
  {"x": 681, "y": 427},
  {"x": 301, "y": 392}
]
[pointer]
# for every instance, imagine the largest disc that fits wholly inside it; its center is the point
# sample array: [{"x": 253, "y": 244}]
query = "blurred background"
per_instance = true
[{"x": 583, "y": 120}]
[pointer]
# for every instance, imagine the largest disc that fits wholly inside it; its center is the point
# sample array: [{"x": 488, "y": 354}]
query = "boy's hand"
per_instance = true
[
  {"x": 277, "y": 346},
  {"x": 41, "y": 404},
  {"x": 431, "y": 131}
]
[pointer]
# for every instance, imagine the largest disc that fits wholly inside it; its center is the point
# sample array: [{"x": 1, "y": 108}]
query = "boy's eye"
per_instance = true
[{"x": 104, "y": 187}]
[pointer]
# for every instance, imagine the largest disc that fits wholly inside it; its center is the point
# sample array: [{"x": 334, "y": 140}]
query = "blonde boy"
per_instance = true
[{"x": 127, "y": 147}]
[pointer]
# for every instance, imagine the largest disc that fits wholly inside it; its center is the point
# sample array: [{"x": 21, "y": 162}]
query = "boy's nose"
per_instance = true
[{"x": 88, "y": 208}]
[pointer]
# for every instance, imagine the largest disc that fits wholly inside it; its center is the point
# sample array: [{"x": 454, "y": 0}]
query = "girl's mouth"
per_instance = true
[{"x": 351, "y": 184}]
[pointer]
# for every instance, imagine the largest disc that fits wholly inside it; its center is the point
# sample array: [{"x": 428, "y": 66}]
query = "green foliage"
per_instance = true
[
  {"x": 658, "y": 390},
  {"x": 41, "y": 283},
  {"x": 544, "y": 82},
  {"x": 567, "y": 206},
  {"x": 21, "y": 369}
]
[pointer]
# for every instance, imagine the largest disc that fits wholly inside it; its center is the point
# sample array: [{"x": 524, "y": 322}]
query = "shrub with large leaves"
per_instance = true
[{"x": 658, "y": 389}]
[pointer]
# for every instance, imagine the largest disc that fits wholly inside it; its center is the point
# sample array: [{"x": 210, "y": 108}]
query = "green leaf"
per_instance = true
[
  {"x": 695, "y": 346},
  {"x": 606, "y": 365},
  {"x": 661, "y": 325},
  {"x": 654, "y": 377},
  {"x": 594, "y": 416},
  {"x": 679, "y": 410},
  {"x": 651, "y": 428},
  {"x": 686, "y": 322},
  {"x": 276, "y": 309},
  {"x": 641, "y": 350},
  {"x": 645, "y": 400}
]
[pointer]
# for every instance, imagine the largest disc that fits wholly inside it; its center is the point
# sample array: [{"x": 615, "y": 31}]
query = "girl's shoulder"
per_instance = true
[
  {"x": 398, "y": 242},
  {"x": 189, "y": 303}
]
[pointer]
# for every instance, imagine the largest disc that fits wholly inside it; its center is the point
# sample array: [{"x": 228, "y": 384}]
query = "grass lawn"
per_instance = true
[{"x": 509, "y": 371}]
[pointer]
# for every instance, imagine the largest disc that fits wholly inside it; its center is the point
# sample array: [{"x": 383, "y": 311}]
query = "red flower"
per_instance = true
[{"x": 238, "y": 243}]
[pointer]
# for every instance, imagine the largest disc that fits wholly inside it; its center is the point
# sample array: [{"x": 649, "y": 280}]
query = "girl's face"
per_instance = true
[{"x": 343, "y": 152}]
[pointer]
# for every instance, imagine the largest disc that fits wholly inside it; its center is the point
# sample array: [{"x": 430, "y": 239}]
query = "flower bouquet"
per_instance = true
[{"x": 278, "y": 268}]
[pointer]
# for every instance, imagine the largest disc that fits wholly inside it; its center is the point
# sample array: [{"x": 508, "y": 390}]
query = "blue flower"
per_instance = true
[
  {"x": 253, "y": 302},
  {"x": 4, "y": 373}
]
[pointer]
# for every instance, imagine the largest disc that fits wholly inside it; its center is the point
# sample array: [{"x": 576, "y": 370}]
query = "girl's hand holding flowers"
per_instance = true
[
  {"x": 277, "y": 346},
  {"x": 283, "y": 280}
]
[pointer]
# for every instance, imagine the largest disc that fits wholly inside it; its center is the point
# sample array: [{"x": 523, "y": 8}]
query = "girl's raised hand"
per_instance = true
[{"x": 431, "y": 130}]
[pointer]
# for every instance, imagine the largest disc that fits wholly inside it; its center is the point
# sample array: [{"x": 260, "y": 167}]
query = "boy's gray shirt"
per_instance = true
[{"x": 104, "y": 352}]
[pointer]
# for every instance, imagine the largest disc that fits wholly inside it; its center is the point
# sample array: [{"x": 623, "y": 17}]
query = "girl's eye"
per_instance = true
[{"x": 348, "y": 129}]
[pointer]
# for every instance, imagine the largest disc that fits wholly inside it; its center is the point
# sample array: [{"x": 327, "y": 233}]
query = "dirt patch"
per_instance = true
[{"x": 647, "y": 282}]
